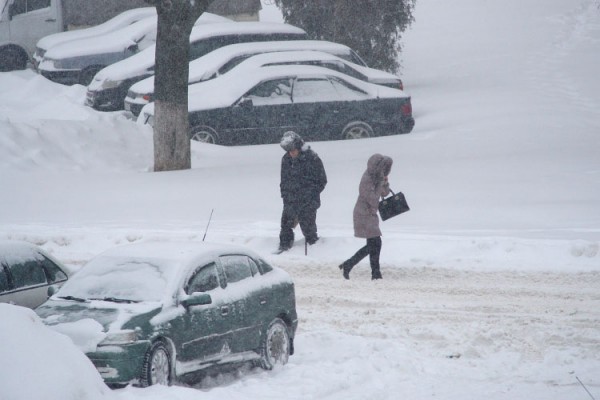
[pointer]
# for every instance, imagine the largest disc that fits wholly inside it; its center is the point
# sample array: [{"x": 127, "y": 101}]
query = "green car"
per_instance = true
[{"x": 150, "y": 313}]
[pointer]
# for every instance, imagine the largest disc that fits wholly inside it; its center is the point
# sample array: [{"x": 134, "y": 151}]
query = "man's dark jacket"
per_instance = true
[{"x": 302, "y": 179}]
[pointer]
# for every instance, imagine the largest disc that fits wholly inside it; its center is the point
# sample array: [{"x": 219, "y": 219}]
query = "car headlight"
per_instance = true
[{"x": 119, "y": 338}]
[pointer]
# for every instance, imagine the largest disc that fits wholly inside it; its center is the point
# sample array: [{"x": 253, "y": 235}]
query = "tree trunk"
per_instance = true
[
  {"x": 171, "y": 125},
  {"x": 171, "y": 139}
]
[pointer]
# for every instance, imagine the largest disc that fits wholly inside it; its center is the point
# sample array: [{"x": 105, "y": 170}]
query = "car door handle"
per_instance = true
[
  {"x": 263, "y": 301},
  {"x": 50, "y": 20},
  {"x": 224, "y": 310}
]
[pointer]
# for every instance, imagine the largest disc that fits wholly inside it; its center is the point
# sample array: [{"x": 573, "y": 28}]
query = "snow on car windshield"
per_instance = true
[{"x": 119, "y": 279}]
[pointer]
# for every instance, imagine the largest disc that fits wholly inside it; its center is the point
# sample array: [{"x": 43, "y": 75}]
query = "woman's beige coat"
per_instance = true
[{"x": 373, "y": 185}]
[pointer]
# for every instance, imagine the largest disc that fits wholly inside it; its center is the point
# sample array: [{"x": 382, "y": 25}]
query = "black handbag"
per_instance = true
[{"x": 394, "y": 205}]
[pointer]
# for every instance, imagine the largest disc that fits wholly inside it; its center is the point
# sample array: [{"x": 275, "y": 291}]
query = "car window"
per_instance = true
[
  {"x": 37, "y": 4},
  {"x": 344, "y": 69},
  {"x": 232, "y": 63},
  {"x": 28, "y": 273},
  {"x": 346, "y": 90},
  {"x": 314, "y": 90},
  {"x": 19, "y": 7},
  {"x": 253, "y": 267},
  {"x": 3, "y": 280},
  {"x": 203, "y": 280},
  {"x": 53, "y": 272},
  {"x": 236, "y": 268},
  {"x": 264, "y": 266},
  {"x": 277, "y": 91}
]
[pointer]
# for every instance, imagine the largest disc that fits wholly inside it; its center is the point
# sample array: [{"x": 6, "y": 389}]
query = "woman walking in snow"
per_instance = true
[{"x": 373, "y": 185}]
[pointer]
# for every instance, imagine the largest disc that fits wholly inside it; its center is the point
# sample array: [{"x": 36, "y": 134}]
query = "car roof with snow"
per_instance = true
[
  {"x": 227, "y": 89},
  {"x": 291, "y": 57},
  {"x": 16, "y": 251},
  {"x": 148, "y": 271},
  {"x": 119, "y": 21},
  {"x": 120, "y": 39},
  {"x": 208, "y": 65}
]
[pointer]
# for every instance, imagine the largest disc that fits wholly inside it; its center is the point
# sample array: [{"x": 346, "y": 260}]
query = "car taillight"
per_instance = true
[
  {"x": 147, "y": 97},
  {"x": 406, "y": 108}
]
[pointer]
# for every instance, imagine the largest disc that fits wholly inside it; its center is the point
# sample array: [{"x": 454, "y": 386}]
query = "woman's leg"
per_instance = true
[
  {"x": 347, "y": 265},
  {"x": 374, "y": 245}
]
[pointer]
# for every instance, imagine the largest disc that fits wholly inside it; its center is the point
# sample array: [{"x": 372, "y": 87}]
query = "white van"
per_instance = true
[{"x": 24, "y": 22}]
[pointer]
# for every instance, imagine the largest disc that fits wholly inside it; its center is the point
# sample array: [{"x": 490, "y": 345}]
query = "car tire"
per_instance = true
[
  {"x": 157, "y": 366},
  {"x": 12, "y": 59},
  {"x": 357, "y": 130},
  {"x": 204, "y": 134},
  {"x": 87, "y": 75},
  {"x": 275, "y": 348}
]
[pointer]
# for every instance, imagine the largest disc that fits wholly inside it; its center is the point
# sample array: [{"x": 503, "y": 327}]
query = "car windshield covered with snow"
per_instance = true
[{"x": 152, "y": 313}]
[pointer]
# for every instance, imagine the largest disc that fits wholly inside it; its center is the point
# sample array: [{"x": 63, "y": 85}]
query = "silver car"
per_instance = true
[{"x": 28, "y": 275}]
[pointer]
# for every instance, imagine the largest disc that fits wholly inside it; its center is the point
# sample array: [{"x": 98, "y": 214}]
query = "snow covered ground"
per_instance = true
[{"x": 491, "y": 282}]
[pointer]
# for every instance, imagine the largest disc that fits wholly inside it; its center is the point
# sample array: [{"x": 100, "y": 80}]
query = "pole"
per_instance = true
[
  {"x": 586, "y": 389},
  {"x": 206, "y": 230}
]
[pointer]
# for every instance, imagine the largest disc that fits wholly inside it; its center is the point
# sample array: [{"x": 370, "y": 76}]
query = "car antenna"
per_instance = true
[{"x": 206, "y": 230}]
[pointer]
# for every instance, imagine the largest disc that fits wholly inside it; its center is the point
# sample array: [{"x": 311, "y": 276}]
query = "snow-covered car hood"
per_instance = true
[
  {"x": 116, "y": 41},
  {"x": 89, "y": 323}
]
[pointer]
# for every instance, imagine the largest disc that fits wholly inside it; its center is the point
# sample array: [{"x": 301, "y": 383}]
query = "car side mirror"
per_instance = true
[
  {"x": 134, "y": 48},
  {"x": 52, "y": 290},
  {"x": 197, "y": 299}
]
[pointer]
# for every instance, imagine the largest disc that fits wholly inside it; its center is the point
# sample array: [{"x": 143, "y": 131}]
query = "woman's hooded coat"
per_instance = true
[{"x": 372, "y": 187}]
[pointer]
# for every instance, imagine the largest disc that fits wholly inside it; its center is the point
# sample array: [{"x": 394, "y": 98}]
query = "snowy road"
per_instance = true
[{"x": 525, "y": 312}]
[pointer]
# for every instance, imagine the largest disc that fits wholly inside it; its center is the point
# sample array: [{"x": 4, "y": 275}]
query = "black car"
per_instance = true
[
  {"x": 109, "y": 87},
  {"x": 256, "y": 106}
]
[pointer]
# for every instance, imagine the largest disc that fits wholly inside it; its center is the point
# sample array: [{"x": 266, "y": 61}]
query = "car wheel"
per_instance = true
[
  {"x": 204, "y": 134},
  {"x": 87, "y": 75},
  {"x": 276, "y": 345},
  {"x": 12, "y": 59},
  {"x": 157, "y": 366},
  {"x": 357, "y": 130}
]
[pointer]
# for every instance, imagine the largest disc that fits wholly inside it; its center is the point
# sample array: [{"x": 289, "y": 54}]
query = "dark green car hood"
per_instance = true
[{"x": 111, "y": 316}]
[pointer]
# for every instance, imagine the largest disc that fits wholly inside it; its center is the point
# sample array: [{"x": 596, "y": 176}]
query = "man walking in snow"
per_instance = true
[{"x": 303, "y": 179}]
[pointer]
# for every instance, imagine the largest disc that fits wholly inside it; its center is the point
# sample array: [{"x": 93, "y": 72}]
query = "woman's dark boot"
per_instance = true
[
  {"x": 376, "y": 274},
  {"x": 345, "y": 270}
]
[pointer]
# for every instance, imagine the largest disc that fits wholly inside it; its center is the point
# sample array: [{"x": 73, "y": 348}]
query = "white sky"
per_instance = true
[{"x": 495, "y": 264}]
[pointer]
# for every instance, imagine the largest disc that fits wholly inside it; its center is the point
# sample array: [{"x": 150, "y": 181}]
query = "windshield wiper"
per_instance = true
[
  {"x": 73, "y": 298},
  {"x": 117, "y": 300}
]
